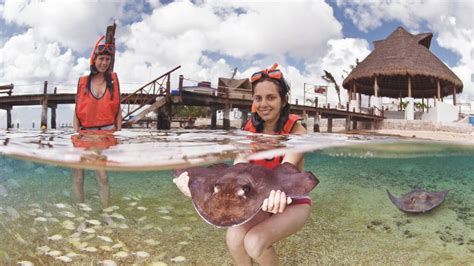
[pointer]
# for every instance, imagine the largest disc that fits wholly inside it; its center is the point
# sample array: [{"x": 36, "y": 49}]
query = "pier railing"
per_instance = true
[{"x": 147, "y": 94}]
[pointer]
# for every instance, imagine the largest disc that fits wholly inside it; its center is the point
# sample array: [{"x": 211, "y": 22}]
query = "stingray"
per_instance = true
[
  {"x": 227, "y": 196},
  {"x": 418, "y": 200}
]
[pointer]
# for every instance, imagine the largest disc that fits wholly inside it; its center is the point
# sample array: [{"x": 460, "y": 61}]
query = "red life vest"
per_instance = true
[
  {"x": 97, "y": 112},
  {"x": 275, "y": 161}
]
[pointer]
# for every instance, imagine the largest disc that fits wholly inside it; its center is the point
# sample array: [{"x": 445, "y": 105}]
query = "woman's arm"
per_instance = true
[
  {"x": 75, "y": 123},
  {"x": 118, "y": 120}
]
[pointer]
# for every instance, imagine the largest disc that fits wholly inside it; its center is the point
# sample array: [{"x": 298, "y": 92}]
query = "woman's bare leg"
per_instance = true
[
  {"x": 78, "y": 184},
  {"x": 260, "y": 238},
  {"x": 235, "y": 239},
  {"x": 104, "y": 190}
]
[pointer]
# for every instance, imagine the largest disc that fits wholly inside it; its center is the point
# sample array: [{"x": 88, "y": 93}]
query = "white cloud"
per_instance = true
[
  {"x": 73, "y": 24},
  {"x": 450, "y": 20}
]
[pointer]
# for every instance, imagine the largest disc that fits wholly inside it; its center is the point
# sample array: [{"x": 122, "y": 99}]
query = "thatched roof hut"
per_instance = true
[{"x": 403, "y": 66}]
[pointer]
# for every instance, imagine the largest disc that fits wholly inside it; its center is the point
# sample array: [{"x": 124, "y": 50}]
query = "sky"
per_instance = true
[{"x": 51, "y": 40}]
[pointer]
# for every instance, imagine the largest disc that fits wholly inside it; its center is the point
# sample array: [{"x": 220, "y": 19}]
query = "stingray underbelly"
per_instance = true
[{"x": 228, "y": 212}]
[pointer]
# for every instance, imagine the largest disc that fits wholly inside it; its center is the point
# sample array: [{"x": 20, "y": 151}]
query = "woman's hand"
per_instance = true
[
  {"x": 182, "y": 182},
  {"x": 276, "y": 202}
]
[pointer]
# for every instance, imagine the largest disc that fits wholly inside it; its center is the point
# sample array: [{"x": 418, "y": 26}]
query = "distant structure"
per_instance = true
[{"x": 402, "y": 66}]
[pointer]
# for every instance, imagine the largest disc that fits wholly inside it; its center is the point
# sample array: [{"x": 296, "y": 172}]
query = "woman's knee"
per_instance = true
[
  {"x": 255, "y": 244},
  {"x": 235, "y": 237}
]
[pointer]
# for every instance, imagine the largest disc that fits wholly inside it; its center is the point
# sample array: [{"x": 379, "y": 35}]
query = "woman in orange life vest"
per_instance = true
[
  {"x": 97, "y": 108},
  {"x": 280, "y": 217}
]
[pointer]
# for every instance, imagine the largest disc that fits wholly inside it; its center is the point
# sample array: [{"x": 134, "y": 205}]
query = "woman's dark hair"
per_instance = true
[
  {"x": 283, "y": 91},
  {"x": 108, "y": 81}
]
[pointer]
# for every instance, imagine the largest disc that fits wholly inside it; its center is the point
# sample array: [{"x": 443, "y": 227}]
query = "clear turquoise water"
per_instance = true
[{"x": 352, "y": 220}]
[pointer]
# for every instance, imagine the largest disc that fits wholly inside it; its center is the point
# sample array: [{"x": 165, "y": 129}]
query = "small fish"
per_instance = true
[
  {"x": 40, "y": 219},
  {"x": 55, "y": 253},
  {"x": 105, "y": 248},
  {"x": 141, "y": 219},
  {"x": 88, "y": 237},
  {"x": 121, "y": 254},
  {"x": 26, "y": 263},
  {"x": 137, "y": 198},
  {"x": 123, "y": 226},
  {"x": 93, "y": 222},
  {"x": 111, "y": 209},
  {"x": 105, "y": 238},
  {"x": 163, "y": 211},
  {"x": 133, "y": 204},
  {"x": 68, "y": 214},
  {"x": 183, "y": 243},
  {"x": 43, "y": 249},
  {"x": 178, "y": 259},
  {"x": 53, "y": 220},
  {"x": 87, "y": 209},
  {"x": 35, "y": 205},
  {"x": 89, "y": 230},
  {"x": 151, "y": 242},
  {"x": 90, "y": 249},
  {"x": 118, "y": 245},
  {"x": 108, "y": 263},
  {"x": 64, "y": 258},
  {"x": 158, "y": 263},
  {"x": 82, "y": 205},
  {"x": 141, "y": 208},
  {"x": 167, "y": 217},
  {"x": 142, "y": 254},
  {"x": 60, "y": 205},
  {"x": 55, "y": 237},
  {"x": 148, "y": 227},
  {"x": 117, "y": 216}
]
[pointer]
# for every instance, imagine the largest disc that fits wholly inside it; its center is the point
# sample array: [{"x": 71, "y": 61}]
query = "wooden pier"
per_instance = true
[{"x": 156, "y": 96}]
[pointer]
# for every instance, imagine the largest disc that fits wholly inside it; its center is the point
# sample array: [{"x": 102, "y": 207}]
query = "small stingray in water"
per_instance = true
[{"x": 418, "y": 200}]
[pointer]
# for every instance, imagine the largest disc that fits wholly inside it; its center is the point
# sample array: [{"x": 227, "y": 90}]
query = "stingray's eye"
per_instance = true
[
  {"x": 246, "y": 188},
  {"x": 217, "y": 188}
]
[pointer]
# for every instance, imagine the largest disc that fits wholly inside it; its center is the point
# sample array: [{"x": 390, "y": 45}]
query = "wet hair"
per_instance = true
[{"x": 283, "y": 91}]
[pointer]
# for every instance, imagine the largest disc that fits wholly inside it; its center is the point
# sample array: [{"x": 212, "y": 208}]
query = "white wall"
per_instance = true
[{"x": 442, "y": 112}]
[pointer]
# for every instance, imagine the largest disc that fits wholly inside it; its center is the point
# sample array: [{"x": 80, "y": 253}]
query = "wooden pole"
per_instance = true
[
  {"x": 409, "y": 86},
  {"x": 330, "y": 125},
  {"x": 438, "y": 90},
  {"x": 376, "y": 87},
  {"x": 213, "y": 118},
  {"x": 454, "y": 96},
  {"x": 44, "y": 110},
  {"x": 53, "y": 116},
  {"x": 9, "y": 117}
]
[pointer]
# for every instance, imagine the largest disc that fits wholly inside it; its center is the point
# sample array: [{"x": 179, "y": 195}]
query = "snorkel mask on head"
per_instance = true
[{"x": 101, "y": 49}]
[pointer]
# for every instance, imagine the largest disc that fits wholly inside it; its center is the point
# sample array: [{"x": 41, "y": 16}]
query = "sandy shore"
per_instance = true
[{"x": 462, "y": 138}]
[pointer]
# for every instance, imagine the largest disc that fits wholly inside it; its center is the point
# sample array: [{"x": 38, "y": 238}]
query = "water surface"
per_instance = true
[{"x": 352, "y": 220}]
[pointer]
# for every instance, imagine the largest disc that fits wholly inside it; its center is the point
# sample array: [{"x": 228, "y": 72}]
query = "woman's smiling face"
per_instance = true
[{"x": 267, "y": 100}]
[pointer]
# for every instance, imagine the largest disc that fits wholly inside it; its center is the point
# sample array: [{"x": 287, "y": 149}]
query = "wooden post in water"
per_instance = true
[
  {"x": 44, "y": 110},
  {"x": 316, "y": 123},
  {"x": 9, "y": 117},
  {"x": 354, "y": 124},
  {"x": 213, "y": 118},
  {"x": 348, "y": 123},
  {"x": 225, "y": 119},
  {"x": 53, "y": 116},
  {"x": 329, "y": 124},
  {"x": 245, "y": 118}
]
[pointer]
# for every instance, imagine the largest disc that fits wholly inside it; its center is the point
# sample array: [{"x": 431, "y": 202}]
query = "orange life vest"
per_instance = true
[
  {"x": 275, "y": 161},
  {"x": 99, "y": 139},
  {"x": 97, "y": 112}
]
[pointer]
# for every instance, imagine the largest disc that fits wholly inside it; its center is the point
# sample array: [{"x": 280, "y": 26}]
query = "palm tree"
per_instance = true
[{"x": 329, "y": 78}]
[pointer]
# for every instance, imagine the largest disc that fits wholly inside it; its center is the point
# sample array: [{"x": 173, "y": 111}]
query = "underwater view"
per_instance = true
[{"x": 149, "y": 222}]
